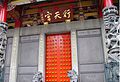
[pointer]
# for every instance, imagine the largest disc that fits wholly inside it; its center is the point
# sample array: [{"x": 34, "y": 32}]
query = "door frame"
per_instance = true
[{"x": 42, "y": 51}]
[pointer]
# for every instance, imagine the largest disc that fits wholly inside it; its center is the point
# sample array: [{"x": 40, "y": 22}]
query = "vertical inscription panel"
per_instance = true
[{"x": 58, "y": 57}]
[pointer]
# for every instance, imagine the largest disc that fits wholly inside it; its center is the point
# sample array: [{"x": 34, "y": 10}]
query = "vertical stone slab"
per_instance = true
[
  {"x": 41, "y": 57},
  {"x": 14, "y": 57},
  {"x": 74, "y": 51}
]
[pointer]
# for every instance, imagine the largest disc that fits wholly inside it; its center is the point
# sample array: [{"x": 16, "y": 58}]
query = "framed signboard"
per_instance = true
[{"x": 56, "y": 14}]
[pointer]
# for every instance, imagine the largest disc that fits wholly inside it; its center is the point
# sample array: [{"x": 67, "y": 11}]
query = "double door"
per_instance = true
[{"x": 58, "y": 57}]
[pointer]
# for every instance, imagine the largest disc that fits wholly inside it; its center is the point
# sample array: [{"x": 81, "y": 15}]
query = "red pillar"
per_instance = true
[
  {"x": 100, "y": 7},
  {"x": 3, "y": 11},
  {"x": 107, "y": 3},
  {"x": 102, "y": 4},
  {"x": 17, "y": 23}
]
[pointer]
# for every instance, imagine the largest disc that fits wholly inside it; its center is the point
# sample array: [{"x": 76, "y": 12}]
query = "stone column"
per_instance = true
[
  {"x": 41, "y": 57},
  {"x": 112, "y": 39},
  {"x": 74, "y": 51},
  {"x": 3, "y": 37},
  {"x": 14, "y": 57},
  {"x": 3, "y": 43}
]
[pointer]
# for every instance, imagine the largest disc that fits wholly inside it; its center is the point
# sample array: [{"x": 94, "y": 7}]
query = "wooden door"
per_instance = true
[{"x": 58, "y": 57}]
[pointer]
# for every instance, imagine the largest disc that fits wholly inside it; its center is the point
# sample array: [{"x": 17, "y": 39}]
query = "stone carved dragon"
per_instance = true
[
  {"x": 3, "y": 43},
  {"x": 112, "y": 28}
]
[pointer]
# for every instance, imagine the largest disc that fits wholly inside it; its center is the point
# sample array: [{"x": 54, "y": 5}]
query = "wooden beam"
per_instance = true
[{"x": 53, "y": 3}]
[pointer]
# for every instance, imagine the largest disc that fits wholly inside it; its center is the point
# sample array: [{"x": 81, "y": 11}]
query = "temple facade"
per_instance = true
[{"x": 55, "y": 37}]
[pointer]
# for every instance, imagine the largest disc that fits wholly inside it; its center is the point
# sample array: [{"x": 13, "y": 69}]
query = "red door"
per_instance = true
[{"x": 58, "y": 57}]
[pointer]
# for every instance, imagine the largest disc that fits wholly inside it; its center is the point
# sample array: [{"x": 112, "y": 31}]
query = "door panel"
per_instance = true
[{"x": 58, "y": 57}]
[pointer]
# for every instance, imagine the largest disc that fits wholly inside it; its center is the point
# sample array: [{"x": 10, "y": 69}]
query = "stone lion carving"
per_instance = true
[
  {"x": 72, "y": 75},
  {"x": 38, "y": 77}
]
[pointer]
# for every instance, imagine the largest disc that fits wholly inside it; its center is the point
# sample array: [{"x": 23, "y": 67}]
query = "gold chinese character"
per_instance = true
[
  {"x": 66, "y": 13},
  {"x": 57, "y": 15},
  {"x": 48, "y": 16}
]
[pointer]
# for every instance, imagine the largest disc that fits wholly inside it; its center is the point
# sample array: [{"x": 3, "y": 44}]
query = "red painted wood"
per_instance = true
[
  {"x": 57, "y": 15},
  {"x": 53, "y": 3},
  {"x": 100, "y": 7},
  {"x": 58, "y": 57},
  {"x": 107, "y": 3},
  {"x": 17, "y": 23},
  {"x": 3, "y": 11}
]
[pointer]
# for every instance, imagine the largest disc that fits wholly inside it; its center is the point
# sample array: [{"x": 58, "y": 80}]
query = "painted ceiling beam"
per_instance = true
[
  {"x": 22, "y": 2},
  {"x": 53, "y": 3}
]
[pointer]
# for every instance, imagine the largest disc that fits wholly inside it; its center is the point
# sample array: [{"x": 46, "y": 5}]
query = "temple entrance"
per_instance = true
[{"x": 58, "y": 57}]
